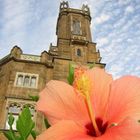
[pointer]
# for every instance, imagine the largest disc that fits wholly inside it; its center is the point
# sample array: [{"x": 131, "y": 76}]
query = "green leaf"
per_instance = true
[
  {"x": 10, "y": 135},
  {"x": 46, "y": 123},
  {"x": 25, "y": 123},
  {"x": 33, "y": 133},
  {"x": 71, "y": 75},
  {"x": 11, "y": 120},
  {"x": 34, "y": 98}
]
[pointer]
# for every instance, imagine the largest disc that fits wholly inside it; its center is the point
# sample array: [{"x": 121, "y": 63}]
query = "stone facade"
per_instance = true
[{"x": 22, "y": 74}]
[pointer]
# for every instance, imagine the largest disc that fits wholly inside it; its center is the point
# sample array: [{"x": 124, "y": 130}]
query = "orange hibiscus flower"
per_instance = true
[{"x": 94, "y": 108}]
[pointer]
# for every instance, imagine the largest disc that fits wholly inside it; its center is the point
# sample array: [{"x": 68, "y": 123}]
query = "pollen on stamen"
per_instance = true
[{"x": 83, "y": 84}]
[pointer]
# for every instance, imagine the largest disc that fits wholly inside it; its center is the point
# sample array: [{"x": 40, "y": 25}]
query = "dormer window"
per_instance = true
[{"x": 76, "y": 27}]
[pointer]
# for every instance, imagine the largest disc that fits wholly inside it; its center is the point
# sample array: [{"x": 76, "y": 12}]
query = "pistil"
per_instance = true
[
  {"x": 83, "y": 85},
  {"x": 92, "y": 116}
]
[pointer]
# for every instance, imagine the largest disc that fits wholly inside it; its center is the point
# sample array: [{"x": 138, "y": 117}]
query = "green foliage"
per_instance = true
[
  {"x": 34, "y": 98},
  {"x": 33, "y": 133},
  {"x": 71, "y": 75},
  {"x": 25, "y": 123},
  {"x": 11, "y": 120},
  {"x": 24, "y": 126},
  {"x": 10, "y": 135}
]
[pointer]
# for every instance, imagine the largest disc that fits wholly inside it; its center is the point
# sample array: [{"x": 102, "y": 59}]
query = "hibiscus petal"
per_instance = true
[
  {"x": 124, "y": 99},
  {"x": 100, "y": 89},
  {"x": 65, "y": 130},
  {"x": 129, "y": 129},
  {"x": 58, "y": 101}
]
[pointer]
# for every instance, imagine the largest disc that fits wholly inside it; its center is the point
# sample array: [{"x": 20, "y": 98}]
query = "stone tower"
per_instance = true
[
  {"x": 74, "y": 40},
  {"x": 22, "y": 74},
  {"x": 74, "y": 35}
]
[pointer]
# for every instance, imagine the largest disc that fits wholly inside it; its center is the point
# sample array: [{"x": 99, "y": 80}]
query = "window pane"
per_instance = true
[
  {"x": 7, "y": 125},
  {"x": 33, "y": 82},
  {"x": 78, "y": 52},
  {"x": 14, "y": 109},
  {"x": 26, "y": 81},
  {"x": 20, "y": 80},
  {"x": 76, "y": 27},
  {"x": 32, "y": 110},
  {"x": 14, "y": 124}
]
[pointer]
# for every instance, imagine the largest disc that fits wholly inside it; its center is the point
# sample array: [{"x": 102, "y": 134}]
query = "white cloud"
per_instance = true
[
  {"x": 85, "y": 2},
  {"x": 102, "y": 41},
  {"x": 137, "y": 68},
  {"x": 102, "y": 18},
  {"x": 29, "y": 24},
  {"x": 129, "y": 9},
  {"x": 123, "y": 2},
  {"x": 115, "y": 69}
]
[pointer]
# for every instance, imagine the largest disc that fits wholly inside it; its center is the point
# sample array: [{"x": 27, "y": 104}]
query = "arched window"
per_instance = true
[
  {"x": 20, "y": 80},
  {"x": 13, "y": 109},
  {"x": 33, "y": 82},
  {"x": 78, "y": 52},
  {"x": 26, "y": 81},
  {"x": 76, "y": 27}
]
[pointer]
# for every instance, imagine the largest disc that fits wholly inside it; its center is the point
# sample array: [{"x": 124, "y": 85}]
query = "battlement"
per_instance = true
[{"x": 64, "y": 7}]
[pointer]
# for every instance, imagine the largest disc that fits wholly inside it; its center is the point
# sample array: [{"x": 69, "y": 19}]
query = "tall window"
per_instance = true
[
  {"x": 33, "y": 81},
  {"x": 20, "y": 80},
  {"x": 76, "y": 27},
  {"x": 13, "y": 109},
  {"x": 26, "y": 80},
  {"x": 78, "y": 52}
]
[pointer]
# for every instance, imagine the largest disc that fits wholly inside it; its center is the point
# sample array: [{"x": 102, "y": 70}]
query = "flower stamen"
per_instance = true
[{"x": 83, "y": 85}]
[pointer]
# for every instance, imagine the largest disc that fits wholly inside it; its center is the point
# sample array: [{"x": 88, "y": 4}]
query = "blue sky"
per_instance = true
[{"x": 31, "y": 24}]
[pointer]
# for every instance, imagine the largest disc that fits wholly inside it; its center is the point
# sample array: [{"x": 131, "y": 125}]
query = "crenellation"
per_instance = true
[
  {"x": 64, "y": 5},
  {"x": 85, "y": 8}
]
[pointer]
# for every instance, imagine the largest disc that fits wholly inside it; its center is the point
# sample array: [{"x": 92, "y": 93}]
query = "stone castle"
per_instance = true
[{"x": 22, "y": 74}]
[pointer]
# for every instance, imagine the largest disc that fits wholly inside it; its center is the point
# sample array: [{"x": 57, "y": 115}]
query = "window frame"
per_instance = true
[
  {"x": 79, "y": 24},
  {"x": 24, "y": 75},
  {"x": 78, "y": 52},
  {"x": 19, "y": 103},
  {"x": 15, "y": 115}
]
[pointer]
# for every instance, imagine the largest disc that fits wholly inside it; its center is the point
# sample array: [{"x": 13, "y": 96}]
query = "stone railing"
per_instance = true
[{"x": 30, "y": 57}]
